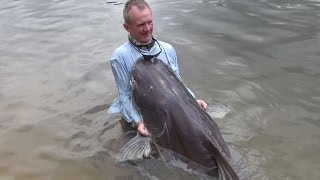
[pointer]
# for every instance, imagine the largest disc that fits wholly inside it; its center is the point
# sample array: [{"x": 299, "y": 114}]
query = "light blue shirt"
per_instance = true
[{"x": 122, "y": 61}]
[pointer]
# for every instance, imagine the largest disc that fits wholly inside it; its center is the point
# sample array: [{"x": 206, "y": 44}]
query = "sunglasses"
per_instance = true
[{"x": 149, "y": 57}]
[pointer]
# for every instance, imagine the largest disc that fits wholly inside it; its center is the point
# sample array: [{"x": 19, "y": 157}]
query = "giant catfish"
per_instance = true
[{"x": 175, "y": 120}]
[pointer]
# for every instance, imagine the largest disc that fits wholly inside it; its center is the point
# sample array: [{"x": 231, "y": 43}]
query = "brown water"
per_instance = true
[{"x": 259, "y": 59}]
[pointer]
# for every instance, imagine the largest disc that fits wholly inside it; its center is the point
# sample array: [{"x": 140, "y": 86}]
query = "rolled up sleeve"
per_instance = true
[{"x": 123, "y": 104}]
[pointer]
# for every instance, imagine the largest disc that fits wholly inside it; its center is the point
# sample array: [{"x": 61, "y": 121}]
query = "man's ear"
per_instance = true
[{"x": 126, "y": 26}]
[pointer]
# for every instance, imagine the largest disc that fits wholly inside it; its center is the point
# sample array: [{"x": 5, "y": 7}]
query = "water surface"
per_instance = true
[{"x": 256, "y": 60}]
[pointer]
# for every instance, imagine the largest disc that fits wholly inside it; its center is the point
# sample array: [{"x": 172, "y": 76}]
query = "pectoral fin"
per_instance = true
[{"x": 137, "y": 148}]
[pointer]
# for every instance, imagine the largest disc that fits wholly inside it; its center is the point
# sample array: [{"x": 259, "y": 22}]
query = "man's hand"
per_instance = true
[
  {"x": 203, "y": 105},
  {"x": 141, "y": 129}
]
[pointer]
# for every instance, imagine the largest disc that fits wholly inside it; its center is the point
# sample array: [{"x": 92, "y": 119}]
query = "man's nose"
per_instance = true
[{"x": 147, "y": 27}]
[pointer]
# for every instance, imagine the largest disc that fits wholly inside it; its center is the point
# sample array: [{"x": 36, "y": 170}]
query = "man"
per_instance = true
[{"x": 138, "y": 22}]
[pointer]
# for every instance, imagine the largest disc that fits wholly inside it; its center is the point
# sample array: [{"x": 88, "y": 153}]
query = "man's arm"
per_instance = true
[{"x": 127, "y": 107}]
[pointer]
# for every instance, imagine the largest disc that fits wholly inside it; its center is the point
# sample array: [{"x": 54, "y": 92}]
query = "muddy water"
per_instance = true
[{"x": 255, "y": 62}]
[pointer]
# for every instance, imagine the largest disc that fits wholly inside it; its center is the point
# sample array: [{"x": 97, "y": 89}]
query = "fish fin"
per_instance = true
[
  {"x": 137, "y": 148},
  {"x": 226, "y": 171},
  {"x": 222, "y": 157}
]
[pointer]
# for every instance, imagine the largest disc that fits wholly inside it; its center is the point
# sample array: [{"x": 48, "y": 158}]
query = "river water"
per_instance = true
[{"x": 258, "y": 60}]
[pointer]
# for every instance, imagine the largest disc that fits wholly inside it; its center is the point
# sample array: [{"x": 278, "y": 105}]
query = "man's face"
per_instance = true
[{"x": 140, "y": 25}]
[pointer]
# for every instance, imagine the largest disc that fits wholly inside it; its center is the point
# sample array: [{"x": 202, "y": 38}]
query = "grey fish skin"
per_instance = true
[{"x": 175, "y": 120}]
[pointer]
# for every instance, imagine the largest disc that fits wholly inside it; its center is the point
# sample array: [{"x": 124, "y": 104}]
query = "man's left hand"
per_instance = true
[{"x": 203, "y": 105}]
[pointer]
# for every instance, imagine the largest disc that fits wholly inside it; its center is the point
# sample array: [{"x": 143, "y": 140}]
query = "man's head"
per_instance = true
[{"x": 138, "y": 20}]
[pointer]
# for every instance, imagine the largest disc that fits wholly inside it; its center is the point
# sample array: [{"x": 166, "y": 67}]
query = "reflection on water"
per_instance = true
[{"x": 258, "y": 59}]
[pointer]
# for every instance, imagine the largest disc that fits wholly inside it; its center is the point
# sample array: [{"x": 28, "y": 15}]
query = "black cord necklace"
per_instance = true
[{"x": 140, "y": 49}]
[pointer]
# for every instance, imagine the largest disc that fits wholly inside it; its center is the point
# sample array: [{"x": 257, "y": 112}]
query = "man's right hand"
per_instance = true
[{"x": 141, "y": 129}]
